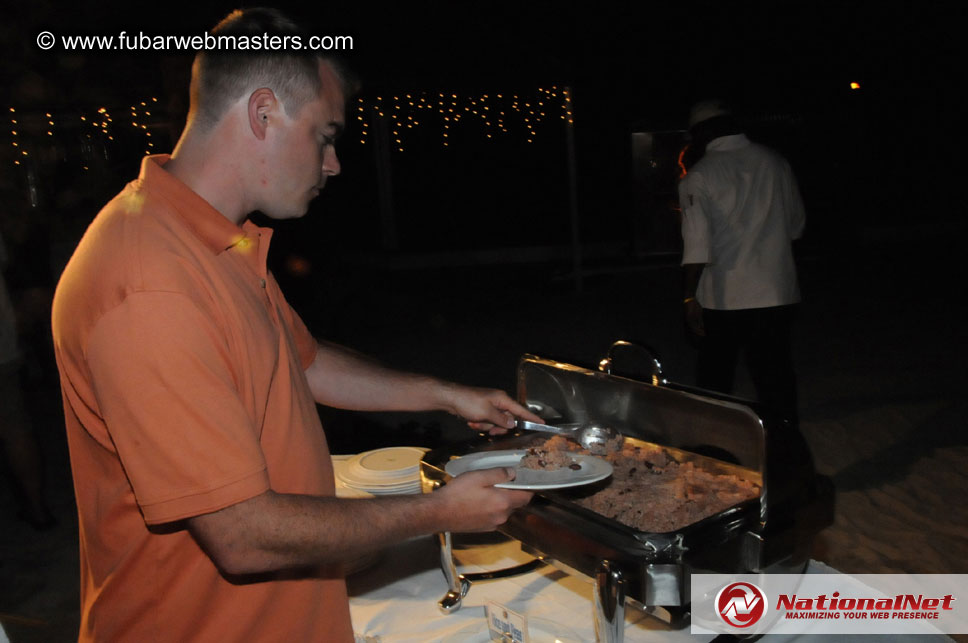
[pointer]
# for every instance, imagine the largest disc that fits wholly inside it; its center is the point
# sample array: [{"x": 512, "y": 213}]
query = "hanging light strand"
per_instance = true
[{"x": 494, "y": 114}]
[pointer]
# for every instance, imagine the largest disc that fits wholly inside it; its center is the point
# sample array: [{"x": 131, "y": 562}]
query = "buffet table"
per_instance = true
[
  {"x": 394, "y": 593},
  {"x": 395, "y": 599}
]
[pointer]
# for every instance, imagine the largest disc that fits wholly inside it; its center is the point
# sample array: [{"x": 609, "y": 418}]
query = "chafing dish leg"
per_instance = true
[
  {"x": 457, "y": 584},
  {"x": 609, "y": 604}
]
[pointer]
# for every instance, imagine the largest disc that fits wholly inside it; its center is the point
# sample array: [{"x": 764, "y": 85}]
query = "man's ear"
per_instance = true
[{"x": 262, "y": 106}]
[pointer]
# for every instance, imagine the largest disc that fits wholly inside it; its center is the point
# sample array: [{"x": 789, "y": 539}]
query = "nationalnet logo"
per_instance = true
[
  {"x": 830, "y": 604},
  {"x": 897, "y": 607},
  {"x": 741, "y": 604}
]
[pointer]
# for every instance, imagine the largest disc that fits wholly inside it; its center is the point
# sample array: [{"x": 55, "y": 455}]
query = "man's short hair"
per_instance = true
[{"x": 221, "y": 76}]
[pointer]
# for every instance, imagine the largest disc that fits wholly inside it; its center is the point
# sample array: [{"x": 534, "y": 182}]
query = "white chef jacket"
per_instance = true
[{"x": 741, "y": 208}]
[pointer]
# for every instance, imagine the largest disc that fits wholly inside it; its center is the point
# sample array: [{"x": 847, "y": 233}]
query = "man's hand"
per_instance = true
[
  {"x": 486, "y": 409},
  {"x": 693, "y": 313},
  {"x": 471, "y": 503}
]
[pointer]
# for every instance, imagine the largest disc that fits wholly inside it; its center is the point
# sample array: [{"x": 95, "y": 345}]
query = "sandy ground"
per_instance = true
[{"x": 880, "y": 353}]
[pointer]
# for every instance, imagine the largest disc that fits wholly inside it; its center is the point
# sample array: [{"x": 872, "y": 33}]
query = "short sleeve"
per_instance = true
[
  {"x": 695, "y": 223},
  {"x": 306, "y": 344},
  {"x": 168, "y": 396}
]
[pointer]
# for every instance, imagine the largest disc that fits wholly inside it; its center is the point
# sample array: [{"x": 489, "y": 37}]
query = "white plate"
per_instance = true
[
  {"x": 345, "y": 491},
  {"x": 390, "y": 462},
  {"x": 592, "y": 470},
  {"x": 387, "y": 470},
  {"x": 539, "y": 631},
  {"x": 360, "y": 482},
  {"x": 395, "y": 492},
  {"x": 349, "y": 486}
]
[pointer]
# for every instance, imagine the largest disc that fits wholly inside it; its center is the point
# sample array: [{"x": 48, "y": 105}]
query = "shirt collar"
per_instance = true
[
  {"x": 208, "y": 224},
  {"x": 726, "y": 143}
]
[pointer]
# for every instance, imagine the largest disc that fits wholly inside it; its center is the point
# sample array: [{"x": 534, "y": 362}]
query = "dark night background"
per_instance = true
[
  {"x": 881, "y": 156},
  {"x": 877, "y": 164}
]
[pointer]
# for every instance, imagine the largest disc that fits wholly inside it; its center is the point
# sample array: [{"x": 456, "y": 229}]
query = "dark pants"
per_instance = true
[{"x": 764, "y": 335}]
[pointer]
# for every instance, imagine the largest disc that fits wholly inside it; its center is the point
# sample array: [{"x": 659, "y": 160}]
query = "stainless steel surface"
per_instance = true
[
  {"x": 663, "y": 585},
  {"x": 659, "y": 414},
  {"x": 568, "y": 430},
  {"x": 598, "y": 438},
  {"x": 771, "y": 533},
  {"x": 594, "y": 437},
  {"x": 606, "y": 364},
  {"x": 609, "y": 604},
  {"x": 457, "y": 585}
]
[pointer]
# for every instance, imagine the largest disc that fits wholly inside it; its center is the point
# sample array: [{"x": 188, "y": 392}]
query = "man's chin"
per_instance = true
[{"x": 289, "y": 213}]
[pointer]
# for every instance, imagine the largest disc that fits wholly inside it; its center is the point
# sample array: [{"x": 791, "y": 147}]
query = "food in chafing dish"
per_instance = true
[{"x": 650, "y": 491}]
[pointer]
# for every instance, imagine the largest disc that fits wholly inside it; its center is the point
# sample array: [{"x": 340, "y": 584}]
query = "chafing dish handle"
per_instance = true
[
  {"x": 609, "y": 604},
  {"x": 605, "y": 365}
]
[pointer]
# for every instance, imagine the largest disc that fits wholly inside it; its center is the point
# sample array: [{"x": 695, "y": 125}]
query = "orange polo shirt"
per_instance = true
[{"x": 182, "y": 370}]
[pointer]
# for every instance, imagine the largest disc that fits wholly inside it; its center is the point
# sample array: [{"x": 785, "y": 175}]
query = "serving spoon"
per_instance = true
[{"x": 591, "y": 436}]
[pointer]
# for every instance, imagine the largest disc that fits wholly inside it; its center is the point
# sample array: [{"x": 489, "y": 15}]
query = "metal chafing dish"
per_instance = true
[{"x": 650, "y": 571}]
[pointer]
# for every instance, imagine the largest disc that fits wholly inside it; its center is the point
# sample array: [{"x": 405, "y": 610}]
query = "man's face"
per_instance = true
[{"x": 301, "y": 153}]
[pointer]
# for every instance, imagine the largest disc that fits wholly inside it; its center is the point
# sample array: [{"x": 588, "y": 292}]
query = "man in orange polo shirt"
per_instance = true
[{"x": 203, "y": 480}]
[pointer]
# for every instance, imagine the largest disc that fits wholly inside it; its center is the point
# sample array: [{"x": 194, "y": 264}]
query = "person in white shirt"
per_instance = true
[{"x": 741, "y": 210}]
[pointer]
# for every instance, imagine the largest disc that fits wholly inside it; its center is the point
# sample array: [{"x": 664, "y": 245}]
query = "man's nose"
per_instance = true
[{"x": 331, "y": 166}]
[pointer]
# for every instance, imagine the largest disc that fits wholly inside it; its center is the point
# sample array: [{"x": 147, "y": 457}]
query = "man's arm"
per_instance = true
[
  {"x": 342, "y": 378},
  {"x": 693, "y": 311},
  {"x": 279, "y": 531}
]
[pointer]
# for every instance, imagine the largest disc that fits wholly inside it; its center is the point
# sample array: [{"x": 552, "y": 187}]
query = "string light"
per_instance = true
[
  {"x": 494, "y": 115},
  {"x": 527, "y": 112}
]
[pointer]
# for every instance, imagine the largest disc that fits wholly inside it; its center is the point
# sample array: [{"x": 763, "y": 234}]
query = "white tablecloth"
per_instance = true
[{"x": 395, "y": 601}]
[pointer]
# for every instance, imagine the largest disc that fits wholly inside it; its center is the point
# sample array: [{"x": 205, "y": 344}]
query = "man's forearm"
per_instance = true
[
  {"x": 690, "y": 281},
  {"x": 693, "y": 311},
  {"x": 342, "y": 378},
  {"x": 278, "y": 531},
  {"x": 345, "y": 379}
]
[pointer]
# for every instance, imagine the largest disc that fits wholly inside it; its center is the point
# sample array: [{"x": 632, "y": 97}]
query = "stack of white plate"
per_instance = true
[{"x": 381, "y": 472}]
